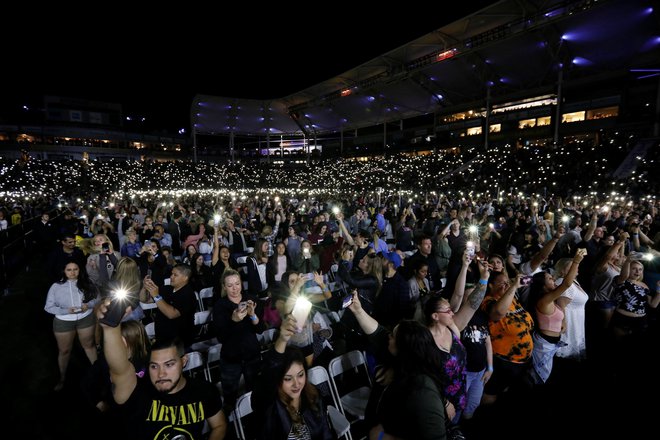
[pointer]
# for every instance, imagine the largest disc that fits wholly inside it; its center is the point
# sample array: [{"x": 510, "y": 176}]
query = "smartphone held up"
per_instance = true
[
  {"x": 347, "y": 301},
  {"x": 300, "y": 311},
  {"x": 116, "y": 309}
]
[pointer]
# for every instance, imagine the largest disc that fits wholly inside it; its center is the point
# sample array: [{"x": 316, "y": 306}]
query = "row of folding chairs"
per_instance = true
[
  {"x": 340, "y": 400},
  {"x": 206, "y": 354},
  {"x": 202, "y": 320}
]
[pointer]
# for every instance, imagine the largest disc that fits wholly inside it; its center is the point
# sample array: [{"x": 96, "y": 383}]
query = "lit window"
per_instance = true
[
  {"x": 527, "y": 123},
  {"x": 573, "y": 117},
  {"x": 473, "y": 131},
  {"x": 601, "y": 113},
  {"x": 495, "y": 128},
  {"x": 540, "y": 122}
]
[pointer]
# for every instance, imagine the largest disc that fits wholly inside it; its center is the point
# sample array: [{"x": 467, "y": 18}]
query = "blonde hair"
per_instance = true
[
  {"x": 106, "y": 239},
  {"x": 127, "y": 275},
  {"x": 226, "y": 274},
  {"x": 86, "y": 245}
]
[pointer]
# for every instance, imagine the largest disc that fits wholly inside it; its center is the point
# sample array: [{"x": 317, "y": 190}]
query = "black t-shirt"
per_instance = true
[
  {"x": 473, "y": 338},
  {"x": 150, "y": 415},
  {"x": 184, "y": 301}
]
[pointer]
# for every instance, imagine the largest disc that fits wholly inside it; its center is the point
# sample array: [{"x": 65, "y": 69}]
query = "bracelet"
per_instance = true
[
  {"x": 157, "y": 298},
  {"x": 490, "y": 368},
  {"x": 447, "y": 403},
  {"x": 483, "y": 282},
  {"x": 253, "y": 318},
  {"x": 635, "y": 235}
]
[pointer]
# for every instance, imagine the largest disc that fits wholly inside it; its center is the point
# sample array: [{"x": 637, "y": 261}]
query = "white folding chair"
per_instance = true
[
  {"x": 203, "y": 346},
  {"x": 212, "y": 360},
  {"x": 243, "y": 408},
  {"x": 195, "y": 364},
  {"x": 202, "y": 320},
  {"x": 266, "y": 338},
  {"x": 200, "y": 304},
  {"x": 352, "y": 401},
  {"x": 340, "y": 423},
  {"x": 205, "y": 293},
  {"x": 318, "y": 376},
  {"x": 151, "y": 330}
]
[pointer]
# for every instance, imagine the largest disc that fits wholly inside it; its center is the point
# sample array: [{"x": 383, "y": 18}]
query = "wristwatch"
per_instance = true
[{"x": 157, "y": 298}]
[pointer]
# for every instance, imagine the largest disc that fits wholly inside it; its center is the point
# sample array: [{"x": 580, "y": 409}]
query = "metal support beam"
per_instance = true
[
  {"x": 194, "y": 144},
  {"x": 487, "y": 127},
  {"x": 231, "y": 146},
  {"x": 560, "y": 83}
]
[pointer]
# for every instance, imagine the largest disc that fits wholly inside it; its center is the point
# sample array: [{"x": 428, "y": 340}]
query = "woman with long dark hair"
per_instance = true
[
  {"x": 411, "y": 406},
  {"x": 287, "y": 405},
  {"x": 548, "y": 317},
  {"x": 72, "y": 301}
]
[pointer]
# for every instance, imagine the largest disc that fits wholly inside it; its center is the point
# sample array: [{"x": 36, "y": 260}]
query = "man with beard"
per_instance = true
[{"x": 167, "y": 405}]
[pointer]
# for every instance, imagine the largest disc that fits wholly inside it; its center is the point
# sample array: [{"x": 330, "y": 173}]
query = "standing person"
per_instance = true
[
  {"x": 102, "y": 261},
  {"x": 72, "y": 301},
  {"x": 64, "y": 254},
  {"x": 446, "y": 328},
  {"x": 169, "y": 405},
  {"x": 286, "y": 404},
  {"x": 573, "y": 301},
  {"x": 479, "y": 367},
  {"x": 633, "y": 301},
  {"x": 220, "y": 262},
  {"x": 293, "y": 242},
  {"x": 96, "y": 385},
  {"x": 127, "y": 278},
  {"x": 175, "y": 309},
  {"x": 411, "y": 406},
  {"x": 393, "y": 303},
  {"x": 549, "y": 317},
  {"x": 174, "y": 229},
  {"x": 3, "y": 221},
  {"x": 511, "y": 335},
  {"x": 257, "y": 278},
  {"x": 45, "y": 234},
  {"x": 237, "y": 321}
]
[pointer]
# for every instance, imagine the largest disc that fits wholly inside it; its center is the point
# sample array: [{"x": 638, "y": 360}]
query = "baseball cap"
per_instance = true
[{"x": 394, "y": 258}]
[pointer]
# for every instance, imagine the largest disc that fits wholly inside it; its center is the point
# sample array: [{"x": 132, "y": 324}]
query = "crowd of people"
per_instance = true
[{"x": 455, "y": 295}]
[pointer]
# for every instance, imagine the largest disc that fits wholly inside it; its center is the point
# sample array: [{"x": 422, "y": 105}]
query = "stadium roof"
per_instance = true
[{"x": 510, "y": 46}]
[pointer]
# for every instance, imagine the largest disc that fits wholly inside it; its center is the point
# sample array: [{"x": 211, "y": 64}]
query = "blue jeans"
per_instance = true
[{"x": 474, "y": 389}]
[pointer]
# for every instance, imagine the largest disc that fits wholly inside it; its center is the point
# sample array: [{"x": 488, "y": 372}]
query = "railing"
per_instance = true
[{"x": 16, "y": 243}]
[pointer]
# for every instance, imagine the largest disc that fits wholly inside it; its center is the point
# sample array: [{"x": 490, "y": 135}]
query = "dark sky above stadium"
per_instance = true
[{"x": 154, "y": 64}]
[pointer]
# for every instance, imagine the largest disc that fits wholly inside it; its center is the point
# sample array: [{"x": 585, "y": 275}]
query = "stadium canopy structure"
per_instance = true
[{"x": 509, "y": 49}]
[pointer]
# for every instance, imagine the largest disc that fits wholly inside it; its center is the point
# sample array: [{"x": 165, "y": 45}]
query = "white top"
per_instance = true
[
  {"x": 574, "y": 336},
  {"x": 62, "y": 296},
  {"x": 281, "y": 267}
]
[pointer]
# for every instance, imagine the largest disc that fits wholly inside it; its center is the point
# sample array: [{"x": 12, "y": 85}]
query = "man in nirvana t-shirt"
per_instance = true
[{"x": 168, "y": 405}]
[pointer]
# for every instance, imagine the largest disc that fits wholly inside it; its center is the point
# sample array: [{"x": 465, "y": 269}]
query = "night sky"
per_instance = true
[{"x": 154, "y": 65}]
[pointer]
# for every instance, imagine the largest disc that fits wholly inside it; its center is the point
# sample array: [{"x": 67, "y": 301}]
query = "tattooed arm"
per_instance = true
[{"x": 463, "y": 316}]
